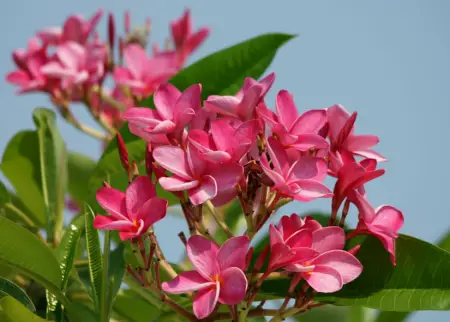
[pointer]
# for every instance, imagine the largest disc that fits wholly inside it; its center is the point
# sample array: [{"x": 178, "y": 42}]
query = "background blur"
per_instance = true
[{"x": 389, "y": 60}]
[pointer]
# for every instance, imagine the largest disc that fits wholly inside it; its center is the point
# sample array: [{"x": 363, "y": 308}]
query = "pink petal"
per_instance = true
[
  {"x": 205, "y": 301},
  {"x": 366, "y": 211},
  {"x": 389, "y": 219},
  {"x": 324, "y": 279},
  {"x": 72, "y": 55},
  {"x": 233, "y": 287},
  {"x": 152, "y": 211},
  {"x": 276, "y": 236},
  {"x": 227, "y": 176},
  {"x": 50, "y": 35},
  {"x": 287, "y": 111},
  {"x": 189, "y": 100},
  {"x": 73, "y": 29},
  {"x": 307, "y": 190},
  {"x": 388, "y": 243},
  {"x": 309, "y": 122},
  {"x": 203, "y": 256},
  {"x": 195, "y": 162},
  {"x": 135, "y": 59},
  {"x": 113, "y": 201},
  {"x": 247, "y": 106},
  {"x": 328, "y": 238},
  {"x": 173, "y": 159},
  {"x": 122, "y": 75},
  {"x": 175, "y": 183},
  {"x": 109, "y": 223},
  {"x": 308, "y": 141},
  {"x": 164, "y": 127},
  {"x": 222, "y": 133},
  {"x": 302, "y": 257},
  {"x": 301, "y": 238},
  {"x": 280, "y": 256},
  {"x": 186, "y": 282},
  {"x": 224, "y": 105},
  {"x": 278, "y": 156},
  {"x": 233, "y": 252},
  {"x": 337, "y": 117},
  {"x": 358, "y": 142},
  {"x": 203, "y": 192},
  {"x": 371, "y": 154},
  {"x": 312, "y": 168},
  {"x": 274, "y": 176},
  {"x": 126, "y": 235},
  {"x": 196, "y": 39},
  {"x": 137, "y": 194},
  {"x": 56, "y": 70},
  {"x": 18, "y": 78},
  {"x": 345, "y": 263},
  {"x": 144, "y": 117},
  {"x": 165, "y": 99},
  {"x": 267, "y": 115},
  {"x": 266, "y": 83}
]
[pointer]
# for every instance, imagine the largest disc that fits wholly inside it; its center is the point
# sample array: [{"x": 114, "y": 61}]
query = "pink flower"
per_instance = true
[
  {"x": 144, "y": 74},
  {"x": 76, "y": 65},
  {"x": 194, "y": 175},
  {"x": 303, "y": 246},
  {"x": 75, "y": 29},
  {"x": 29, "y": 76},
  {"x": 383, "y": 222},
  {"x": 132, "y": 213},
  {"x": 218, "y": 274},
  {"x": 242, "y": 105},
  {"x": 228, "y": 141},
  {"x": 300, "y": 179},
  {"x": 174, "y": 111},
  {"x": 185, "y": 41},
  {"x": 299, "y": 132},
  {"x": 341, "y": 127},
  {"x": 352, "y": 176},
  {"x": 109, "y": 113}
]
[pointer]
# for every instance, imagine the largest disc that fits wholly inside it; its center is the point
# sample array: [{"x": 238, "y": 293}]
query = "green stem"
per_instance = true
[
  {"x": 218, "y": 219},
  {"x": 20, "y": 214},
  {"x": 104, "y": 305}
]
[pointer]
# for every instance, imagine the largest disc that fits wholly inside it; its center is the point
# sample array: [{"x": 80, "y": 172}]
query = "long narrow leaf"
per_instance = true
[
  {"x": 9, "y": 288},
  {"x": 95, "y": 257},
  {"x": 12, "y": 310}
]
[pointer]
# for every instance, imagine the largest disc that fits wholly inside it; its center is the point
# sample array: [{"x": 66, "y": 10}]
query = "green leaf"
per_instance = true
[
  {"x": 9, "y": 288},
  {"x": 387, "y": 316},
  {"x": 12, "y": 310},
  {"x": 325, "y": 313},
  {"x": 20, "y": 165},
  {"x": 67, "y": 249},
  {"x": 133, "y": 307},
  {"x": 116, "y": 271},
  {"x": 223, "y": 72},
  {"x": 53, "y": 168},
  {"x": 95, "y": 257},
  {"x": 80, "y": 168},
  {"x": 22, "y": 250},
  {"x": 420, "y": 281}
]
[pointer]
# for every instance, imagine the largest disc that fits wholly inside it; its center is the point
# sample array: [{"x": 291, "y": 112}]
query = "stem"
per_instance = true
[
  {"x": 67, "y": 115},
  {"x": 344, "y": 213},
  {"x": 98, "y": 118},
  {"x": 20, "y": 214},
  {"x": 218, "y": 219},
  {"x": 105, "y": 97},
  {"x": 163, "y": 262},
  {"x": 104, "y": 306}
]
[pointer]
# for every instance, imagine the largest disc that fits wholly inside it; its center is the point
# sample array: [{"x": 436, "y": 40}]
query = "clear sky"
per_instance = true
[{"x": 389, "y": 60}]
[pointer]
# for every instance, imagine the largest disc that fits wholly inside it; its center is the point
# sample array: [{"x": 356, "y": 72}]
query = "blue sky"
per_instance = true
[{"x": 389, "y": 60}]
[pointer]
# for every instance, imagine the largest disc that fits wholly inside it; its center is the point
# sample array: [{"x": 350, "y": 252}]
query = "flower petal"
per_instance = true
[
  {"x": 136, "y": 59},
  {"x": 173, "y": 159},
  {"x": 165, "y": 99},
  {"x": 278, "y": 156},
  {"x": 328, "y": 238},
  {"x": 108, "y": 223},
  {"x": 152, "y": 211},
  {"x": 233, "y": 252},
  {"x": 203, "y": 192},
  {"x": 389, "y": 219},
  {"x": 233, "y": 287},
  {"x": 227, "y": 176},
  {"x": 224, "y": 105},
  {"x": 203, "y": 255},
  {"x": 307, "y": 190},
  {"x": 113, "y": 201},
  {"x": 345, "y": 263},
  {"x": 337, "y": 117},
  {"x": 309, "y": 122},
  {"x": 175, "y": 183},
  {"x": 301, "y": 238},
  {"x": 137, "y": 194},
  {"x": 324, "y": 279},
  {"x": 287, "y": 111},
  {"x": 205, "y": 301},
  {"x": 186, "y": 282}
]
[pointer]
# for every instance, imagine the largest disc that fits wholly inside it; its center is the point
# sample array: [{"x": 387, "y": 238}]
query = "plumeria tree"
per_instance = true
[{"x": 78, "y": 241}]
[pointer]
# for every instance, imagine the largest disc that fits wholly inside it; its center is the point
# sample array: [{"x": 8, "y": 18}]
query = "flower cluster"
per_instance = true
[
  {"x": 235, "y": 148},
  {"x": 71, "y": 64}
]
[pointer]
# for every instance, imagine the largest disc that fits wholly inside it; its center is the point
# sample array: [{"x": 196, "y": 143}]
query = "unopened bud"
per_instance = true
[
  {"x": 261, "y": 259},
  {"x": 123, "y": 153},
  {"x": 135, "y": 169},
  {"x": 248, "y": 258},
  {"x": 111, "y": 32},
  {"x": 127, "y": 22},
  {"x": 354, "y": 250},
  {"x": 149, "y": 161}
]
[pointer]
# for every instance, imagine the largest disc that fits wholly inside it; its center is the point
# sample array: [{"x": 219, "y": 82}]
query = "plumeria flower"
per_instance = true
[
  {"x": 194, "y": 175},
  {"x": 77, "y": 64},
  {"x": 341, "y": 128},
  {"x": 144, "y": 74},
  {"x": 315, "y": 252},
  {"x": 184, "y": 39},
  {"x": 132, "y": 213},
  {"x": 352, "y": 176},
  {"x": 229, "y": 140},
  {"x": 29, "y": 76},
  {"x": 383, "y": 222},
  {"x": 76, "y": 29},
  {"x": 241, "y": 106},
  {"x": 174, "y": 111},
  {"x": 300, "y": 179},
  {"x": 293, "y": 130},
  {"x": 218, "y": 274}
]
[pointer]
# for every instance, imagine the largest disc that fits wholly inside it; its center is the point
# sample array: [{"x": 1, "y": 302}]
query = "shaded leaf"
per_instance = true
[
  {"x": 12, "y": 310},
  {"x": 116, "y": 271},
  {"x": 80, "y": 168},
  {"x": 133, "y": 307},
  {"x": 9, "y": 288}
]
